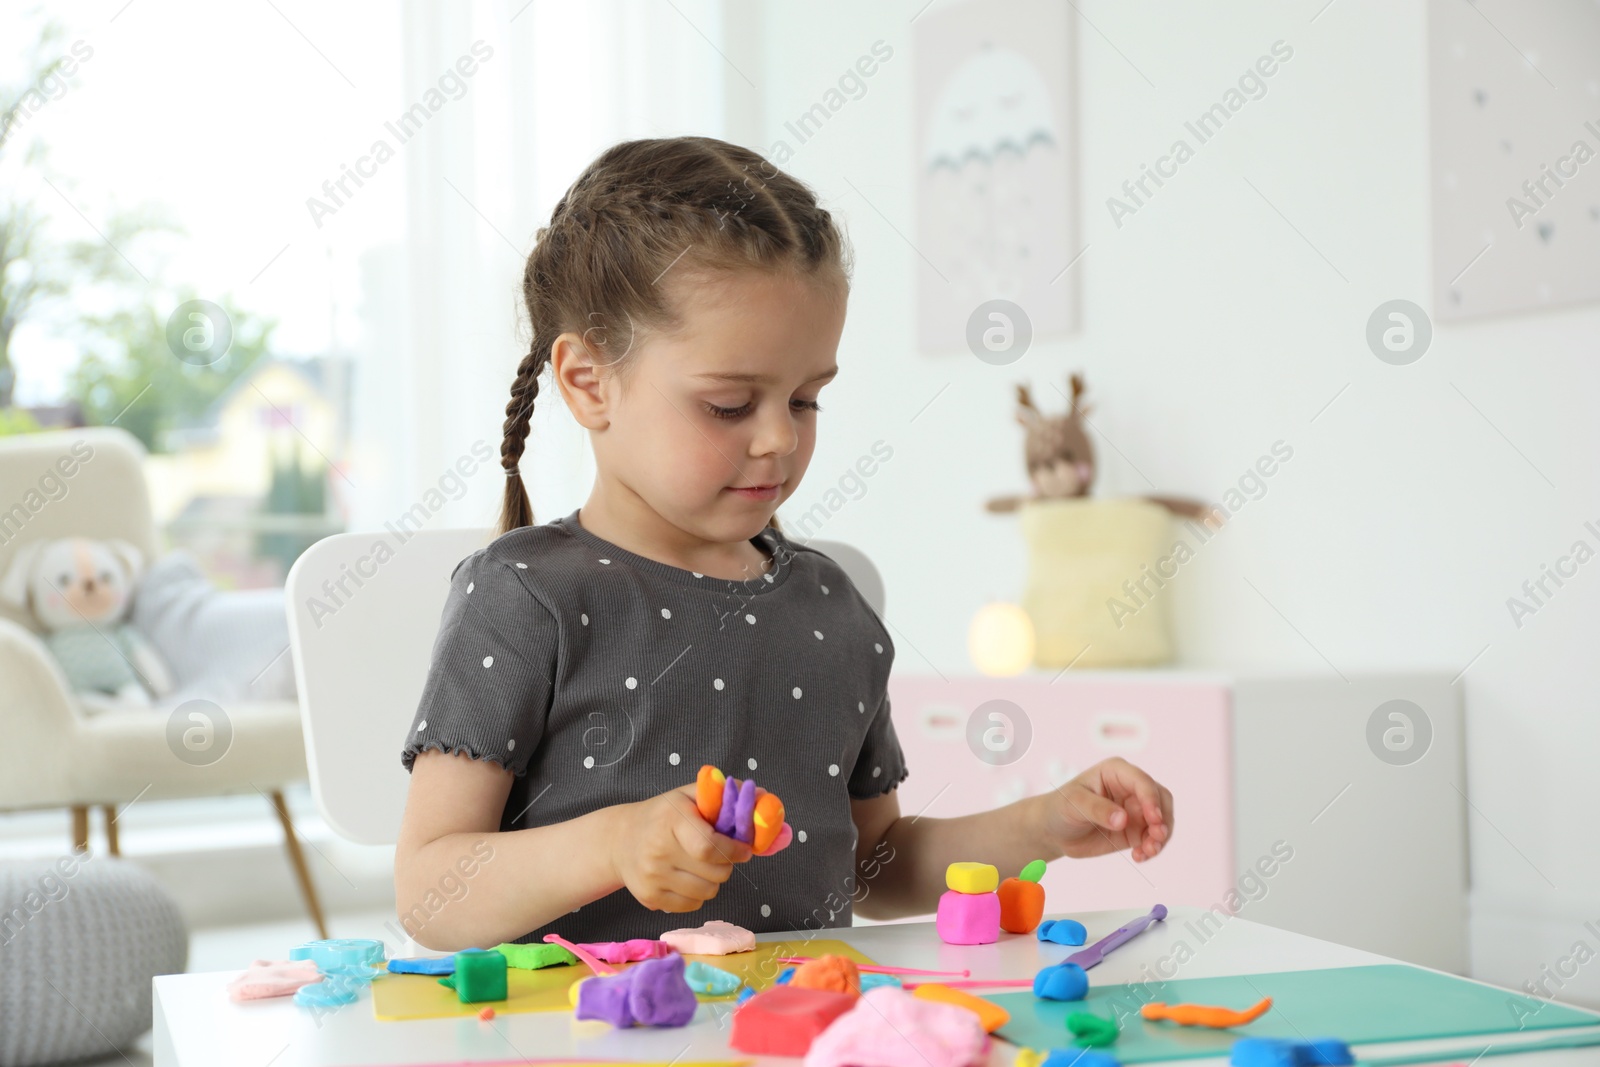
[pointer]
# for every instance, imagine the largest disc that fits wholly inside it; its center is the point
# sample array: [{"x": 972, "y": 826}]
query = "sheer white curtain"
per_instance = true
[{"x": 444, "y": 327}]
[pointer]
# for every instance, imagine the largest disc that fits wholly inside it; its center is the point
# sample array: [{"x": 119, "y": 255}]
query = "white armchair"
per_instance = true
[{"x": 91, "y": 483}]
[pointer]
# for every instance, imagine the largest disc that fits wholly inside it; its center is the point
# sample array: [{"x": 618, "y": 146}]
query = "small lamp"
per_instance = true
[{"x": 1000, "y": 640}]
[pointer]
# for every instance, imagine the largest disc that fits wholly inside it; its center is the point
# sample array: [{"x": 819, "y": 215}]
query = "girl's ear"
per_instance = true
[{"x": 574, "y": 368}]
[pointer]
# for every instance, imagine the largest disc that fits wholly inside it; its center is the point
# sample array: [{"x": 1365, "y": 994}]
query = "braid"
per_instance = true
[{"x": 516, "y": 510}]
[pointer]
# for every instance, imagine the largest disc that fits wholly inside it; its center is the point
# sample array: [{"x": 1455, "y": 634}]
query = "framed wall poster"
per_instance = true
[
  {"x": 1514, "y": 130},
  {"x": 996, "y": 180}
]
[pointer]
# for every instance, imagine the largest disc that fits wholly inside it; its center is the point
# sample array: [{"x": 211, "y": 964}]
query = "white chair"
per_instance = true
[
  {"x": 56, "y": 754},
  {"x": 361, "y": 656}
]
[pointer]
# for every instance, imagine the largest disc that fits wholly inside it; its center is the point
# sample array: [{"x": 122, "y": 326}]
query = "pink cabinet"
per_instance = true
[{"x": 976, "y": 743}]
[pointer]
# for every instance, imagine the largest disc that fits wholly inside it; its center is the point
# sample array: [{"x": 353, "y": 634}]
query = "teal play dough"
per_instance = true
[{"x": 709, "y": 980}]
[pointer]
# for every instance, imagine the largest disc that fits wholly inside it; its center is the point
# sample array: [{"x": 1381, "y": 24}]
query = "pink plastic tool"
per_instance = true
[
  {"x": 873, "y": 968},
  {"x": 974, "y": 983},
  {"x": 595, "y": 963}
]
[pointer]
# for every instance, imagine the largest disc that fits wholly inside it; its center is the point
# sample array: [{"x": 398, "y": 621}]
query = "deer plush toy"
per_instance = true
[
  {"x": 1061, "y": 462},
  {"x": 79, "y": 591}
]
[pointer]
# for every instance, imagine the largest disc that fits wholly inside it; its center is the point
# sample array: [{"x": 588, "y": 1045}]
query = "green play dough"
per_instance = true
[
  {"x": 1033, "y": 871},
  {"x": 535, "y": 957},
  {"x": 1090, "y": 1030}
]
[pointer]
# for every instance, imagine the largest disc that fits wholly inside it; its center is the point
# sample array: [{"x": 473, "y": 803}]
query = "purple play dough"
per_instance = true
[
  {"x": 606, "y": 998},
  {"x": 744, "y": 812},
  {"x": 661, "y": 995},
  {"x": 651, "y": 993},
  {"x": 730, "y": 799}
]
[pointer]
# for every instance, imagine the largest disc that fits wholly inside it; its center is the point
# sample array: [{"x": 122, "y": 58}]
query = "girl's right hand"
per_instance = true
[{"x": 669, "y": 857}]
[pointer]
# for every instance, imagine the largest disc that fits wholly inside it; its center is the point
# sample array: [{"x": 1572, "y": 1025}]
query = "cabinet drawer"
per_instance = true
[{"x": 976, "y": 743}]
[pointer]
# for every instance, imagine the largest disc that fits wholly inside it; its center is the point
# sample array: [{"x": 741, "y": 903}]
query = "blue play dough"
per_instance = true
[
  {"x": 1080, "y": 1057},
  {"x": 1287, "y": 1052},
  {"x": 1063, "y": 932},
  {"x": 872, "y": 980},
  {"x": 784, "y": 976},
  {"x": 424, "y": 965},
  {"x": 712, "y": 981},
  {"x": 1061, "y": 981}
]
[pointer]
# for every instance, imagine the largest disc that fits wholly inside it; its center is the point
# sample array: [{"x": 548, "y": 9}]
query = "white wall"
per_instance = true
[{"x": 1212, "y": 329}]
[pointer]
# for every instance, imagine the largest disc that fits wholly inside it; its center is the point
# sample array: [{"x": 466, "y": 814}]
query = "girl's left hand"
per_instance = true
[{"x": 1109, "y": 807}]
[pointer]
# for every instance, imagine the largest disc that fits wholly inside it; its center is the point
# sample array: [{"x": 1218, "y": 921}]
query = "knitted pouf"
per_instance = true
[{"x": 80, "y": 939}]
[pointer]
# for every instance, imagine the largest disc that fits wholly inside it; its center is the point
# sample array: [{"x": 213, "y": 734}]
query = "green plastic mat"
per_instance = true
[{"x": 1387, "y": 1002}]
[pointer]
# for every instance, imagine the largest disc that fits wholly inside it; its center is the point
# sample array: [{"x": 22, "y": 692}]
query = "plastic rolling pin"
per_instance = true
[{"x": 1122, "y": 935}]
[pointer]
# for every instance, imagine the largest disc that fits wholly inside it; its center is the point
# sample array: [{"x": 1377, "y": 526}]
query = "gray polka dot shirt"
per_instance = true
[{"x": 601, "y": 677}]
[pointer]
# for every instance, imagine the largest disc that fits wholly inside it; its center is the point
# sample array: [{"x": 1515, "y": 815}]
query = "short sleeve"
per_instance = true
[
  {"x": 881, "y": 767},
  {"x": 491, "y": 678}
]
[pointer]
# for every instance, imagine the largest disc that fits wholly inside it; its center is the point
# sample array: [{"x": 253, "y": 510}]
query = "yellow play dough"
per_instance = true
[{"x": 971, "y": 877}]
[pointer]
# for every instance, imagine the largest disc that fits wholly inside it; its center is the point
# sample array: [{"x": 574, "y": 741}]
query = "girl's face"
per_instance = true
[{"x": 719, "y": 419}]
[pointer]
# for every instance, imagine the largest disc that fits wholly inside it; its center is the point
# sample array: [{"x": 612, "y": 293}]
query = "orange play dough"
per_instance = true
[
  {"x": 708, "y": 792},
  {"x": 833, "y": 973},
  {"x": 991, "y": 1016},
  {"x": 1021, "y": 905}
]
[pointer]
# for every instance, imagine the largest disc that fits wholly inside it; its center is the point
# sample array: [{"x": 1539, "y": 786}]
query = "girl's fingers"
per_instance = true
[
  {"x": 692, "y": 886},
  {"x": 675, "y": 902},
  {"x": 1095, "y": 809}
]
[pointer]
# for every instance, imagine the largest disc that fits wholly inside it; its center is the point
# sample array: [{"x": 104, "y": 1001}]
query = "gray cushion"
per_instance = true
[
  {"x": 80, "y": 939},
  {"x": 225, "y": 646}
]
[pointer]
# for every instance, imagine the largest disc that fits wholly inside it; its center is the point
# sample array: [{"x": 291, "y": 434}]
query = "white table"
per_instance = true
[{"x": 197, "y": 1026}]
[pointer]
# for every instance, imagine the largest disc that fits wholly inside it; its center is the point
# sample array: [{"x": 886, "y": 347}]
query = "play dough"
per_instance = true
[
  {"x": 1061, "y": 981},
  {"x": 889, "y": 1027},
  {"x": 833, "y": 973},
  {"x": 968, "y": 918},
  {"x": 273, "y": 978},
  {"x": 535, "y": 957},
  {"x": 640, "y": 948},
  {"x": 971, "y": 877},
  {"x": 650, "y": 993},
  {"x": 785, "y": 1020},
  {"x": 715, "y": 938}
]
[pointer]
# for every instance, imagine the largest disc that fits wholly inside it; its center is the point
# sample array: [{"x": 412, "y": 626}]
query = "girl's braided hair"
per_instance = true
[{"x": 639, "y": 210}]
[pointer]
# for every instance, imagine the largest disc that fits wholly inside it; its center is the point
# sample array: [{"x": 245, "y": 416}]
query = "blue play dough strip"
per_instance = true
[{"x": 424, "y": 965}]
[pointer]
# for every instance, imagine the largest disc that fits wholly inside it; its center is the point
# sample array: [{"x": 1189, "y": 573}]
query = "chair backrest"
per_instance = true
[
  {"x": 364, "y": 609},
  {"x": 72, "y": 483}
]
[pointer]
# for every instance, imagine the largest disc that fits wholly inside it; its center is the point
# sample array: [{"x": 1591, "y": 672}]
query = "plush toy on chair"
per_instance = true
[{"x": 79, "y": 590}]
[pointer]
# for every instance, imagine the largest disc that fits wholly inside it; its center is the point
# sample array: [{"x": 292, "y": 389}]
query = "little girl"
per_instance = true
[{"x": 688, "y": 298}]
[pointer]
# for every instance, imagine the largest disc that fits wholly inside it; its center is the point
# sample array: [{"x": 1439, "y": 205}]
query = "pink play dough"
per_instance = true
[
  {"x": 273, "y": 978},
  {"x": 968, "y": 918},
  {"x": 640, "y": 948},
  {"x": 715, "y": 938},
  {"x": 889, "y": 1027}
]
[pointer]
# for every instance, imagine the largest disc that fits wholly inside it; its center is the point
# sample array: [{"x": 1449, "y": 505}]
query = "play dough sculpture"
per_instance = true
[
  {"x": 742, "y": 810},
  {"x": 715, "y": 938},
  {"x": 1063, "y": 932},
  {"x": 969, "y": 910},
  {"x": 890, "y": 1027},
  {"x": 1205, "y": 1014},
  {"x": 639, "y": 948},
  {"x": 535, "y": 957},
  {"x": 837, "y": 974},
  {"x": 650, "y": 993},
  {"x": 1061, "y": 981},
  {"x": 785, "y": 1020},
  {"x": 1022, "y": 900},
  {"x": 480, "y": 975}
]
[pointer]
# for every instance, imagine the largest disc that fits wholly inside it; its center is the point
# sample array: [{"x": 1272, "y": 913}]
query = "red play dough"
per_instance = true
[{"x": 783, "y": 1020}]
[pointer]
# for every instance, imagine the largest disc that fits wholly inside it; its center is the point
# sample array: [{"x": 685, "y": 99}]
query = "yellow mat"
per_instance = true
[{"x": 420, "y": 996}]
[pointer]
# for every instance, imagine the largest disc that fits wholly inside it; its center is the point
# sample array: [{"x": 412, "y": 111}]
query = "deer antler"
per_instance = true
[
  {"x": 1024, "y": 399},
  {"x": 1077, "y": 388}
]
